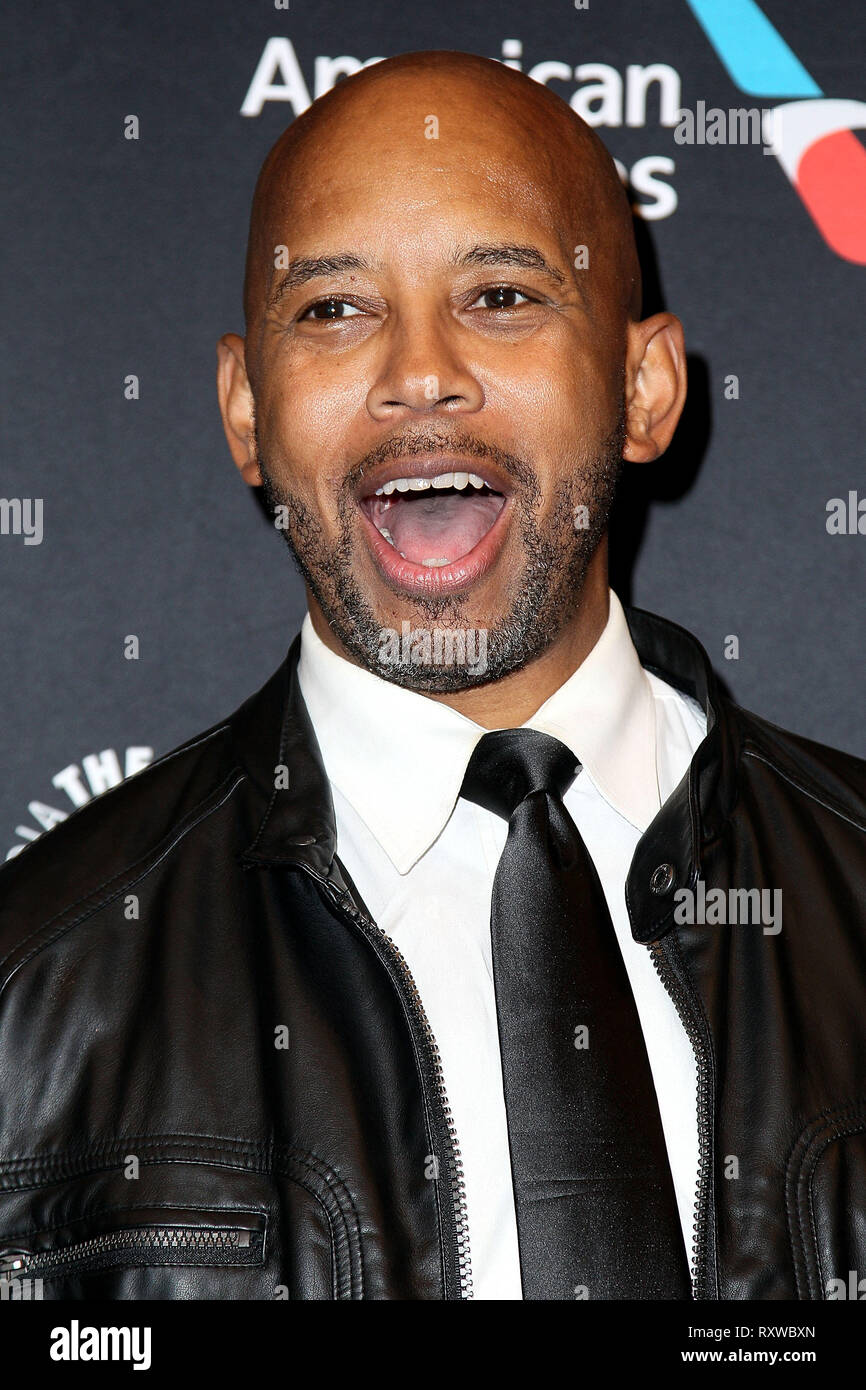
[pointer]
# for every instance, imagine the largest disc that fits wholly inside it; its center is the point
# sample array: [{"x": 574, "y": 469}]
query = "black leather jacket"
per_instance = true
[{"x": 217, "y": 1079}]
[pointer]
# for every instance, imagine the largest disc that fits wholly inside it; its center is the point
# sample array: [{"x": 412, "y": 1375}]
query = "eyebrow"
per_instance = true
[
  {"x": 526, "y": 257},
  {"x": 306, "y": 268}
]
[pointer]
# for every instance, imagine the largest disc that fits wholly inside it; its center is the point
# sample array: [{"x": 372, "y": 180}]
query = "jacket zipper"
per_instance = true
[
  {"x": 675, "y": 989},
  {"x": 20, "y": 1261},
  {"x": 460, "y": 1245}
]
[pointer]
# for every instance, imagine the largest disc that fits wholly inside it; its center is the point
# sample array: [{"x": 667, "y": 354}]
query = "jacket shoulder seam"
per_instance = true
[{"x": 814, "y": 795}]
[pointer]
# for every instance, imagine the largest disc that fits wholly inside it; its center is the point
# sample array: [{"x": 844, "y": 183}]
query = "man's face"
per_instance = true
[{"x": 438, "y": 391}]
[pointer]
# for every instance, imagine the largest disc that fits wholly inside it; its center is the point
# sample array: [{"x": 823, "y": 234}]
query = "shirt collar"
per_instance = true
[{"x": 399, "y": 758}]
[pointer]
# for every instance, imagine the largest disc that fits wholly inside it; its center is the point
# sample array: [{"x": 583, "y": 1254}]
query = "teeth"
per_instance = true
[
  {"x": 437, "y": 564},
  {"x": 442, "y": 480},
  {"x": 383, "y": 531}
]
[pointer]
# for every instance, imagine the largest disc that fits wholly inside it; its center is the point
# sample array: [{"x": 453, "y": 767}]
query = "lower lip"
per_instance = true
[{"x": 433, "y": 580}]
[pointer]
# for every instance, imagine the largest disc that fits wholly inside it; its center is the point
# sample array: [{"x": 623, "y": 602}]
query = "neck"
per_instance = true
[{"x": 509, "y": 702}]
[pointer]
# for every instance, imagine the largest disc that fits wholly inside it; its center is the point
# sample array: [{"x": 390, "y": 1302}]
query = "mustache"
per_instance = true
[{"x": 409, "y": 444}]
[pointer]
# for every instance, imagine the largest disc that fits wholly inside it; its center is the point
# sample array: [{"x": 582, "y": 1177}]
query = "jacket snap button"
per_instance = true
[
  {"x": 302, "y": 840},
  {"x": 663, "y": 879}
]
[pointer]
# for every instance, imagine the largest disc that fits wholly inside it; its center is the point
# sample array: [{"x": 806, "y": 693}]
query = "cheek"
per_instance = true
[
  {"x": 554, "y": 404},
  {"x": 305, "y": 429}
]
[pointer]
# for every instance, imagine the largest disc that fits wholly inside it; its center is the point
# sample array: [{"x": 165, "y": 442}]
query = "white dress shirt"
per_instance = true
[{"x": 423, "y": 859}]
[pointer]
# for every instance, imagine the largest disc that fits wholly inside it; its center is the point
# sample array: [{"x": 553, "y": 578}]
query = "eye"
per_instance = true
[
  {"x": 503, "y": 297},
  {"x": 326, "y": 310}
]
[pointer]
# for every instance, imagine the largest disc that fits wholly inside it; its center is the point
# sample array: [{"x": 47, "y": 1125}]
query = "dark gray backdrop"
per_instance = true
[{"x": 125, "y": 256}]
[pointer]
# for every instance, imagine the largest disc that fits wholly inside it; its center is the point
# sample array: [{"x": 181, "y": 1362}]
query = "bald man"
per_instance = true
[{"x": 488, "y": 950}]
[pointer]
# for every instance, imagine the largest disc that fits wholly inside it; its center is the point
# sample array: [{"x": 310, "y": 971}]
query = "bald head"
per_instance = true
[{"x": 511, "y": 129}]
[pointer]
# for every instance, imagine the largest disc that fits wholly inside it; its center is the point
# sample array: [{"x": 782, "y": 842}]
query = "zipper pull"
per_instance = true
[{"x": 12, "y": 1260}]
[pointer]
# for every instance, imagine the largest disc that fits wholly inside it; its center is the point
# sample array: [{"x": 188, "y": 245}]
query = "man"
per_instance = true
[{"x": 488, "y": 950}]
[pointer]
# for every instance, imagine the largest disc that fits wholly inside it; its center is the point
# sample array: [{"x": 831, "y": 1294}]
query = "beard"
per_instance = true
[{"x": 557, "y": 551}]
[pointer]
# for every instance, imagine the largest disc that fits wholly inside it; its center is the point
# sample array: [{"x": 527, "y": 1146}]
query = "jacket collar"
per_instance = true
[
  {"x": 294, "y": 815},
  {"x": 275, "y": 742},
  {"x": 669, "y": 855}
]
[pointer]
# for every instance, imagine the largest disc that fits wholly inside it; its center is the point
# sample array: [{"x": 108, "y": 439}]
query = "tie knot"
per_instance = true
[{"x": 510, "y": 764}]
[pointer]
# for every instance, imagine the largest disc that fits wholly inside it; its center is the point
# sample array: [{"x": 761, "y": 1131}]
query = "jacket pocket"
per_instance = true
[
  {"x": 826, "y": 1201},
  {"x": 218, "y": 1220},
  {"x": 162, "y": 1237},
  {"x": 178, "y": 1227}
]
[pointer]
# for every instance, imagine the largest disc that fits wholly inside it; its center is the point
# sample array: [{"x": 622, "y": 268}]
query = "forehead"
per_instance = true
[
  {"x": 403, "y": 161},
  {"x": 391, "y": 222}
]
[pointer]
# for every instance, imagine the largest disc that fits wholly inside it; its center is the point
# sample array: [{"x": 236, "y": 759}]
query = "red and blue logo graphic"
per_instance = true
[{"x": 811, "y": 135}]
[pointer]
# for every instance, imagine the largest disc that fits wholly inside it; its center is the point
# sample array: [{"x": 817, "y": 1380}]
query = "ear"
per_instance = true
[
  {"x": 655, "y": 385},
  {"x": 237, "y": 407}
]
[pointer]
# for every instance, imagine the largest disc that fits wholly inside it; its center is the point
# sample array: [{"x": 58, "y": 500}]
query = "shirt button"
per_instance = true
[{"x": 663, "y": 878}]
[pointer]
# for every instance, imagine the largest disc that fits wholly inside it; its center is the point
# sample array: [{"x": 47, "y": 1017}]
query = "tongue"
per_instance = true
[{"x": 439, "y": 528}]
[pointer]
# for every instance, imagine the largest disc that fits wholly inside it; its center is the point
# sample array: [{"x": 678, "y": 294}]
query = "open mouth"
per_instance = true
[{"x": 434, "y": 529}]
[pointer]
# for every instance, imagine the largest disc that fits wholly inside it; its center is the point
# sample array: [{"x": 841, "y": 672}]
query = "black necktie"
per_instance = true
[{"x": 596, "y": 1213}]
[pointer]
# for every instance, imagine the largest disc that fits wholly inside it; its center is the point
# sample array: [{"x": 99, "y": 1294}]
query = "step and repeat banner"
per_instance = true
[{"x": 145, "y": 594}]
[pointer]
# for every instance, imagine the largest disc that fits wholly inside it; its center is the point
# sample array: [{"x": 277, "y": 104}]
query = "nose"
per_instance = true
[{"x": 423, "y": 370}]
